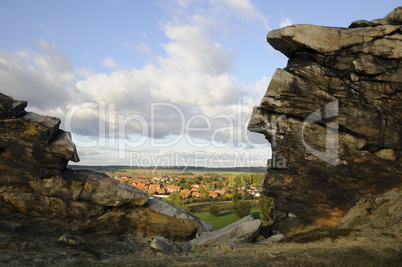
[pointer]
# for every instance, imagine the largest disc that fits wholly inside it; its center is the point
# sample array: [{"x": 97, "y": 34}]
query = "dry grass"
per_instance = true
[
  {"x": 36, "y": 244},
  {"x": 318, "y": 234}
]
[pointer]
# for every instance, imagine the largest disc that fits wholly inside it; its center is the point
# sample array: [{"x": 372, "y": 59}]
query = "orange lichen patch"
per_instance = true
[
  {"x": 287, "y": 180},
  {"x": 332, "y": 220},
  {"x": 30, "y": 131}
]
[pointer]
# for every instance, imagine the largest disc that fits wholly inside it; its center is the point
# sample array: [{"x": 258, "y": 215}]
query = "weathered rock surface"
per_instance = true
[
  {"x": 144, "y": 222},
  {"x": 31, "y": 145},
  {"x": 92, "y": 187},
  {"x": 71, "y": 240},
  {"x": 176, "y": 212},
  {"x": 241, "y": 231},
  {"x": 163, "y": 245},
  {"x": 34, "y": 181},
  {"x": 334, "y": 119},
  {"x": 387, "y": 205},
  {"x": 228, "y": 246},
  {"x": 273, "y": 238}
]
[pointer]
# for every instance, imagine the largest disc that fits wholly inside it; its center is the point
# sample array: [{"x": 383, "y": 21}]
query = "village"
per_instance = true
[{"x": 221, "y": 188}]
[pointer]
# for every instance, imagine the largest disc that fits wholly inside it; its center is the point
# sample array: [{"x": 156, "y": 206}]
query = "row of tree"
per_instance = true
[
  {"x": 242, "y": 208},
  {"x": 215, "y": 181}
]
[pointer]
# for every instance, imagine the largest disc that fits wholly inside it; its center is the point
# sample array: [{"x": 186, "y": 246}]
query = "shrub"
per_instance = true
[
  {"x": 266, "y": 207},
  {"x": 241, "y": 208},
  {"x": 174, "y": 198},
  {"x": 214, "y": 210}
]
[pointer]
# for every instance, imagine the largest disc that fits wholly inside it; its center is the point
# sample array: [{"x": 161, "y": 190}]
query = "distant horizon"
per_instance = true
[{"x": 182, "y": 168}]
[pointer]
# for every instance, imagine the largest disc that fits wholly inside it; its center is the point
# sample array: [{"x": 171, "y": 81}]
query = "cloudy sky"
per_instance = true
[{"x": 155, "y": 82}]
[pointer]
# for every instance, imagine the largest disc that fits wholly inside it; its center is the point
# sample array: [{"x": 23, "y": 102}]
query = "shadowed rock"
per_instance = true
[
  {"x": 163, "y": 245},
  {"x": 333, "y": 117},
  {"x": 241, "y": 231}
]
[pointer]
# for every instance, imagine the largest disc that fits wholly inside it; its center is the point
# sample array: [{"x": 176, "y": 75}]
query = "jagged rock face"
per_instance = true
[
  {"x": 34, "y": 180},
  {"x": 333, "y": 117},
  {"x": 31, "y": 145},
  {"x": 369, "y": 208}
]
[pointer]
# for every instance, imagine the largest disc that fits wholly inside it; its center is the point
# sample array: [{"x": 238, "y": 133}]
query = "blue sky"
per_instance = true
[{"x": 152, "y": 81}]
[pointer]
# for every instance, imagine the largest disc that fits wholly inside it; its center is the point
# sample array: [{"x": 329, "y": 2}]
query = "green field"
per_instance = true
[{"x": 225, "y": 218}]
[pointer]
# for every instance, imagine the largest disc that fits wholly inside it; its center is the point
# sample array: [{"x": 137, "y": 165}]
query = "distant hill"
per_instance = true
[{"x": 179, "y": 168}]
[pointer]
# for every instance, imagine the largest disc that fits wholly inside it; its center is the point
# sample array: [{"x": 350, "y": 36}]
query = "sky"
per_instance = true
[{"x": 145, "y": 83}]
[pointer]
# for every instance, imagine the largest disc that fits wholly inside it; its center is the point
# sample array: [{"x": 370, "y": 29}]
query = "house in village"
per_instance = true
[
  {"x": 172, "y": 188},
  {"x": 156, "y": 189},
  {"x": 213, "y": 194},
  {"x": 141, "y": 186},
  {"x": 124, "y": 179},
  {"x": 185, "y": 193},
  {"x": 221, "y": 192},
  {"x": 197, "y": 194}
]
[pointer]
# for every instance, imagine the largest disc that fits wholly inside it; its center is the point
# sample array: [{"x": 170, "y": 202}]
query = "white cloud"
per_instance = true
[
  {"x": 121, "y": 40},
  {"x": 142, "y": 48},
  {"x": 46, "y": 28},
  {"x": 193, "y": 74},
  {"x": 244, "y": 8},
  {"x": 109, "y": 62},
  {"x": 192, "y": 51},
  {"x": 42, "y": 77},
  {"x": 286, "y": 22},
  {"x": 139, "y": 47}
]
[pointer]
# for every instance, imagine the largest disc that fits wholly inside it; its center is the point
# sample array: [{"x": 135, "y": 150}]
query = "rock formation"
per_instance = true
[
  {"x": 34, "y": 180},
  {"x": 369, "y": 208},
  {"x": 333, "y": 117},
  {"x": 242, "y": 231}
]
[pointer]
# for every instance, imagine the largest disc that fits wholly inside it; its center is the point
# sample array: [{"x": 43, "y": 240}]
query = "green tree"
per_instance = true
[
  {"x": 238, "y": 180},
  {"x": 214, "y": 210},
  {"x": 235, "y": 196},
  {"x": 250, "y": 178},
  {"x": 258, "y": 178},
  {"x": 204, "y": 192},
  {"x": 231, "y": 179},
  {"x": 174, "y": 198},
  {"x": 211, "y": 185},
  {"x": 266, "y": 206},
  {"x": 241, "y": 208},
  {"x": 228, "y": 194},
  {"x": 185, "y": 185}
]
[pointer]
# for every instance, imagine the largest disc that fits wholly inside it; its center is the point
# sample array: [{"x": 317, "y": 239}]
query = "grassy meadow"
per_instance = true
[{"x": 225, "y": 218}]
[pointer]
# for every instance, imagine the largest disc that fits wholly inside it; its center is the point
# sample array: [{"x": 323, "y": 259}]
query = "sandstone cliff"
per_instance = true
[
  {"x": 333, "y": 117},
  {"x": 34, "y": 181}
]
